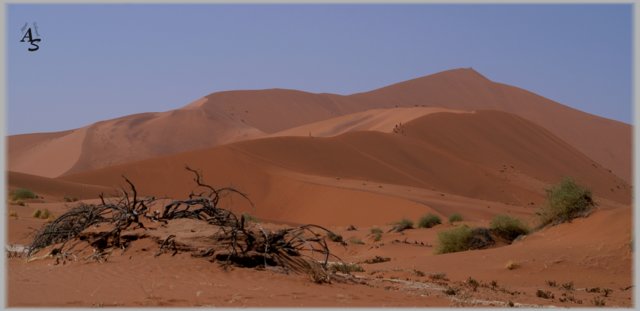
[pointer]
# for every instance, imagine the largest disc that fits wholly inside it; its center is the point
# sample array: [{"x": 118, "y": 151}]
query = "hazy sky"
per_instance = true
[{"x": 103, "y": 61}]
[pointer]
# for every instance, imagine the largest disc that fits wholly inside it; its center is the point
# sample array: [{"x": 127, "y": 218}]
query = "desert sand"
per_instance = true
[{"x": 453, "y": 142}]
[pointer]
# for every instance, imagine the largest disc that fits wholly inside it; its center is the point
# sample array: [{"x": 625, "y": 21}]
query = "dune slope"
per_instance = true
[
  {"x": 230, "y": 116},
  {"x": 486, "y": 155}
]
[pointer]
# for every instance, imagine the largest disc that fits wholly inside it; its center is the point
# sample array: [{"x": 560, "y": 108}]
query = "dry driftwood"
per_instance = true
[{"x": 102, "y": 228}]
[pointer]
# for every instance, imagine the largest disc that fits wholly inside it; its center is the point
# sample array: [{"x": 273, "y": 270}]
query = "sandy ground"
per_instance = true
[{"x": 367, "y": 160}]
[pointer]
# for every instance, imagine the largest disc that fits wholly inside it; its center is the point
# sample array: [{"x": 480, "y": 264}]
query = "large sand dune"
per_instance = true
[
  {"x": 487, "y": 155},
  {"x": 226, "y": 117}
]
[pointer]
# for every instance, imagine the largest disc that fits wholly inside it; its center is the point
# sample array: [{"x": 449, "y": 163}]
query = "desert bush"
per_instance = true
[
  {"x": 507, "y": 227},
  {"x": 565, "y": 201},
  {"x": 544, "y": 294},
  {"x": 454, "y": 240},
  {"x": 70, "y": 199},
  {"x": 511, "y": 265},
  {"x": 22, "y": 193},
  {"x": 249, "y": 218},
  {"x": 402, "y": 225},
  {"x": 429, "y": 221},
  {"x": 377, "y": 234},
  {"x": 335, "y": 237},
  {"x": 42, "y": 214},
  {"x": 455, "y": 217},
  {"x": 463, "y": 238}
]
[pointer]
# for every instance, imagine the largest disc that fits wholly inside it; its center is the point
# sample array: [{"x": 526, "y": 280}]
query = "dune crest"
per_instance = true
[{"x": 229, "y": 116}]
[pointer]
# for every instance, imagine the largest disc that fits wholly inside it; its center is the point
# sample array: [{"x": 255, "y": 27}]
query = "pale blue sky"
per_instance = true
[{"x": 103, "y": 61}]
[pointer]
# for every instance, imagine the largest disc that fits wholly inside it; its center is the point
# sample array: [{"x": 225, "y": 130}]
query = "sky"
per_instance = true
[{"x": 99, "y": 62}]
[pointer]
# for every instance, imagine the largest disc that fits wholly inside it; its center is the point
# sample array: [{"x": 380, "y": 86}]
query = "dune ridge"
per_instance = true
[
  {"x": 487, "y": 155},
  {"x": 230, "y": 116}
]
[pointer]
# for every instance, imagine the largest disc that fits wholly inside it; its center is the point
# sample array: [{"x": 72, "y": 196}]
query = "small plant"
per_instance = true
[
  {"x": 428, "y": 221},
  {"x": 438, "y": 276},
  {"x": 70, "y": 199},
  {"x": 354, "y": 240},
  {"x": 402, "y": 225},
  {"x": 473, "y": 283},
  {"x": 345, "y": 267},
  {"x": 511, "y": 265},
  {"x": 454, "y": 240},
  {"x": 21, "y": 203},
  {"x": 607, "y": 291},
  {"x": 249, "y": 218},
  {"x": 377, "y": 259},
  {"x": 334, "y": 237},
  {"x": 42, "y": 214},
  {"x": 565, "y": 201},
  {"x": 13, "y": 214},
  {"x": 494, "y": 284},
  {"x": 455, "y": 217},
  {"x": 507, "y": 227},
  {"x": 568, "y": 286},
  {"x": 598, "y": 302},
  {"x": 451, "y": 291},
  {"x": 22, "y": 194},
  {"x": 377, "y": 234},
  {"x": 544, "y": 294},
  {"x": 552, "y": 283}
]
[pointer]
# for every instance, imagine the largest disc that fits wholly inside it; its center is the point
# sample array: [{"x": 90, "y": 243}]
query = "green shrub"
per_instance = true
[
  {"x": 21, "y": 194},
  {"x": 507, "y": 227},
  {"x": 455, "y": 217},
  {"x": 454, "y": 240},
  {"x": 463, "y": 238},
  {"x": 402, "y": 225},
  {"x": 565, "y": 201},
  {"x": 428, "y": 221},
  {"x": 377, "y": 234},
  {"x": 248, "y": 218}
]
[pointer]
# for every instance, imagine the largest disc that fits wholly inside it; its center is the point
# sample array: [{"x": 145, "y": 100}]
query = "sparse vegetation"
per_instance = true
[
  {"x": 13, "y": 214},
  {"x": 544, "y": 294},
  {"x": 507, "y": 227},
  {"x": 249, "y": 218},
  {"x": 473, "y": 283},
  {"x": 566, "y": 201},
  {"x": 354, "y": 240},
  {"x": 21, "y": 203},
  {"x": 455, "y": 217},
  {"x": 22, "y": 194},
  {"x": 451, "y": 291},
  {"x": 552, "y": 283},
  {"x": 402, "y": 225},
  {"x": 334, "y": 237},
  {"x": 463, "y": 238},
  {"x": 438, "y": 276},
  {"x": 568, "y": 286},
  {"x": 345, "y": 267},
  {"x": 377, "y": 259},
  {"x": 511, "y": 265},
  {"x": 428, "y": 221},
  {"x": 42, "y": 214},
  {"x": 598, "y": 302},
  {"x": 454, "y": 240},
  {"x": 377, "y": 233},
  {"x": 70, "y": 199}
]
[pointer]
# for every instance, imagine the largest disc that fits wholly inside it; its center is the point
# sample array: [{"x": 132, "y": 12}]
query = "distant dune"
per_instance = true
[
  {"x": 487, "y": 155},
  {"x": 54, "y": 189},
  {"x": 231, "y": 116}
]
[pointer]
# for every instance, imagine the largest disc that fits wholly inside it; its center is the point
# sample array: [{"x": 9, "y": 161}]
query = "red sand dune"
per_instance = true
[
  {"x": 486, "y": 155},
  {"x": 226, "y": 117},
  {"x": 55, "y": 189}
]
